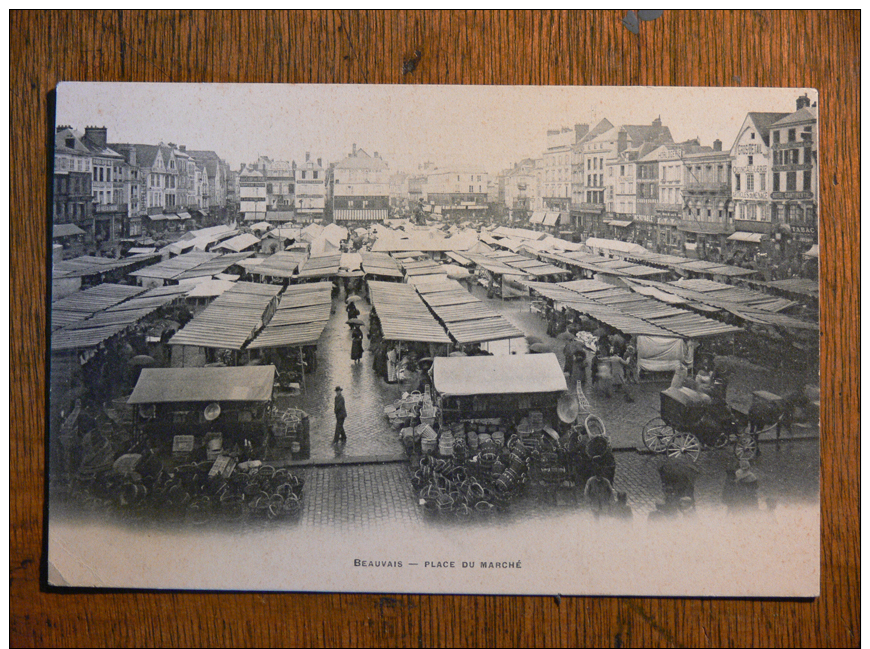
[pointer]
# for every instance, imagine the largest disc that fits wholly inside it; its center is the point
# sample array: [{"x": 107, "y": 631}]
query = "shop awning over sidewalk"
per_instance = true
[{"x": 747, "y": 237}]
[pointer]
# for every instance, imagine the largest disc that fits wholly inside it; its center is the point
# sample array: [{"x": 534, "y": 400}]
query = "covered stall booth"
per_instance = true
[
  {"x": 497, "y": 395},
  {"x": 203, "y": 410}
]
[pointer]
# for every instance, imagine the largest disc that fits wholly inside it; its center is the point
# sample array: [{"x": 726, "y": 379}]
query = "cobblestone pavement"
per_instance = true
[
  {"x": 371, "y": 494},
  {"x": 365, "y": 395}
]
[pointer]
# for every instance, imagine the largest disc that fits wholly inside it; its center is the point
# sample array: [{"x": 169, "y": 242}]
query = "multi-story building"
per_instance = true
[
  {"x": 399, "y": 191},
  {"x": 583, "y": 212},
  {"x": 360, "y": 188},
  {"x": 280, "y": 190},
  {"x": 110, "y": 210},
  {"x": 252, "y": 194},
  {"x": 72, "y": 196},
  {"x": 310, "y": 182},
  {"x": 133, "y": 188},
  {"x": 520, "y": 191},
  {"x": 751, "y": 186},
  {"x": 707, "y": 213},
  {"x": 794, "y": 191},
  {"x": 215, "y": 179},
  {"x": 460, "y": 193}
]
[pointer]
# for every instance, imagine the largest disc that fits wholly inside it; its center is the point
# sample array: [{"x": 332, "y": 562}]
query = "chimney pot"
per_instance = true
[{"x": 717, "y": 145}]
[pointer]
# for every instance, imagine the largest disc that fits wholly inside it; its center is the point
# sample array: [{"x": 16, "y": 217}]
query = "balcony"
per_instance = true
[{"x": 712, "y": 187}]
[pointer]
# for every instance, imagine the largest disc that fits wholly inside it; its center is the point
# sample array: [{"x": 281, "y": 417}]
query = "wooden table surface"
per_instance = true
[{"x": 737, "y": 48}]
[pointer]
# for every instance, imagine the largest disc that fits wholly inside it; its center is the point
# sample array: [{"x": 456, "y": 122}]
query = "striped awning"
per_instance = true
[{"x": 360, "y": 215}]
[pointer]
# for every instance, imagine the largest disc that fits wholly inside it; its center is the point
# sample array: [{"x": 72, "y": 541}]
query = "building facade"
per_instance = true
[
  {"x": 360, "y": 188},
  {"x": 794, "y": 191},
  {"x": 459, "y": 193},
  {"x": 311, "y": 191}
]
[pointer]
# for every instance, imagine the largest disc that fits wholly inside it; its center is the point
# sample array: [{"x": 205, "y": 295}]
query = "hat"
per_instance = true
[{"x": 337, "y": 389}]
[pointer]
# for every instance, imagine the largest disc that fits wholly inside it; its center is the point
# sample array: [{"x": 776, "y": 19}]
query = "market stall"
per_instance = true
[{"x": 183, "y": 409}]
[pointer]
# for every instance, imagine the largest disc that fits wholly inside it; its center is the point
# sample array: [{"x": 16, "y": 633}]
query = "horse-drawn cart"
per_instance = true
[{"x": 691, "y": 420}]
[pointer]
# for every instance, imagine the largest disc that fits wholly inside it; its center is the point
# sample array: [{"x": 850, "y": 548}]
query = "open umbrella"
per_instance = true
[
  {"x": 142, "y": 361},
  {"x": 540, "y": 348},
  {"x": 356, "y": 321},
  {"x": 456, "y": 272},
  {"x": 566, "y": 336},
  {"x": 353, "y": 298},
  {"x": 532, "y": 340},
  {"x": 425, "y": 363}
]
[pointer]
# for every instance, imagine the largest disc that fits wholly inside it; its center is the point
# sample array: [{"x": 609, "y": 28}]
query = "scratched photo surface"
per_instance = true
[{"x": 443, "y": 339}]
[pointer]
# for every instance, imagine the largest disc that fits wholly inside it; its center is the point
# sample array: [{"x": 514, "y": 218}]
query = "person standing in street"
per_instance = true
[{"x": 340, "y": 416}]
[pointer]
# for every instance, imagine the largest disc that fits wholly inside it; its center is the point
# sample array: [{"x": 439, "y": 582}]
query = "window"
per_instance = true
[
  {"x": 776, "y": 137},
  {"x": 762, "y": 182},
  {"x": 749, "y": 160},
  {"x": 752, "y": 136},
  {"x": 807, "y": 180},
  {"x": 315, "y": 175},
  {"x": 737, "y": 182},
  {"x": 790, "y": 181},
  {"x": 471, "y": 189},
  {"x": 95, "y": 173},
  {"x": 303, "y": 175},
  {"x": 792, "y": 134},
  {"x": 622, "y": 170},
  {"x": 807, "y": 154}
]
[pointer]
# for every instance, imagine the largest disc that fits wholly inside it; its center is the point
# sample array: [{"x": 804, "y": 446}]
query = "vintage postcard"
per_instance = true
[{"x": 439, "y": 339}]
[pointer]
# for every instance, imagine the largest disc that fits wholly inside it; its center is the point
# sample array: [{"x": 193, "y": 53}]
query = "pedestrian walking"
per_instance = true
[
  {"x": 356, "y": 348},
  {"x": 340, "y": 416}
]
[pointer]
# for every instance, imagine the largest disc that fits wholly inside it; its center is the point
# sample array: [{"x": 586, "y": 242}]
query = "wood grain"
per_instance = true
[{"x": 737, "y": 48}]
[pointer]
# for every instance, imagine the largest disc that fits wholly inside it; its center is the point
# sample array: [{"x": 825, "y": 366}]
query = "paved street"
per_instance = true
[{"x": 365, "y": 394}]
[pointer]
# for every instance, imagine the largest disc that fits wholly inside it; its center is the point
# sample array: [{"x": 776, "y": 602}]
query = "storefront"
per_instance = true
[{"x": 747, "y": 246}]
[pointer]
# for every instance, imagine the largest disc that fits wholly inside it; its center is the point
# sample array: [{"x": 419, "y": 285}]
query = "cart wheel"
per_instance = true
[
  {"x": 657, "y": 435},
  {"x": 746, "y": 447},
  {"x": 684, "y": 444},
  {"x": 721, "y": 441}
]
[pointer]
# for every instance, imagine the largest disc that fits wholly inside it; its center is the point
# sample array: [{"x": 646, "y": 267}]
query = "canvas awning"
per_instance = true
[
  {"x": 66, "y": 230},
  {"x": 204, "y": 384},
  {"x": 551, "y": 218},
  {"x": 813, "y": 252},
  {"x": 515, "y": 374},
  {"x": 747, "y": 237},
  {"x": 537, "y": 217},
  {"x": 619, "y": 223}
]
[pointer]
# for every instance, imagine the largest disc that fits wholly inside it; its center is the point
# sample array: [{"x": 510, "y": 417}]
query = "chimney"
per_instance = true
[
  {"x": 803, "y": 102},
  {"x": 97, "y": 135},
  {"x": 182, "y": 147},
  {"x": 354, "y": 148},
  {"x": 621, "y": 141},
  {"x": 319, "y": 162},
  {"x": 717, "y": 145},
  {"x": 376, "y": 155},
  {"x": 657, "y": 122},
  {"x": 171, "y": 145},
  {"x": 307, "y": 156}
]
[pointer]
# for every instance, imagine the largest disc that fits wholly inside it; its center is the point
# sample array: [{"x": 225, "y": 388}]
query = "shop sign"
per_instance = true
[
  {"x": 747, "y": 149},
  {"x": 750, "y": 195},
  {"x": 790, "y": 195},
  {"x": 803, "y": 229},
  {"x": 754, "y": 169}
]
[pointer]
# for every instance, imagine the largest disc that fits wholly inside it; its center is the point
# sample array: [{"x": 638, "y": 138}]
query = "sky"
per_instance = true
[{"x": 482, "y": 127}]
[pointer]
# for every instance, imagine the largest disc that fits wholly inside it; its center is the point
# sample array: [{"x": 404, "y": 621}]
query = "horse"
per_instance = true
[{"x": 767, "y": 413}]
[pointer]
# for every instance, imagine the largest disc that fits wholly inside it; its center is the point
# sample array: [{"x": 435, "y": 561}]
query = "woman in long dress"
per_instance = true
[
  {"x": 392, "y": 365},
  {"x": 356, "y": 349}
]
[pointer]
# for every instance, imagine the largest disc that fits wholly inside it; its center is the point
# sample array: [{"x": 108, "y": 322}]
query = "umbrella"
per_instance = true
[
  {"x": 566, "y": 336},
  {"x": 532, "y": 340},
  {"x": 425, "y": 363},
  {"x": 355, "y": 321},
  {"x": 142, "y": 361},
  {"x": 458, "y": 354},
  {"x": 354, "y": 298},
  {"x": 540, "y": 348}
]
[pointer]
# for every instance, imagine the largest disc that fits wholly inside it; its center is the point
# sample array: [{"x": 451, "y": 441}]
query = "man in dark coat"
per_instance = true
[{"x": 340, "y": 416}]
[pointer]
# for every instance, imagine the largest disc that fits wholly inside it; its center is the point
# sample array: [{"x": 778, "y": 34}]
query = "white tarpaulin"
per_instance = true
[{"x": 655, "y": 354}]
